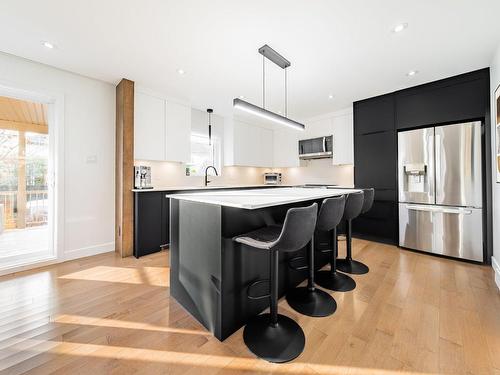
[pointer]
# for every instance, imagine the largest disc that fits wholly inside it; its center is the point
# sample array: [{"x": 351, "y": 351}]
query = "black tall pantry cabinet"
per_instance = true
[{"x": 376, "y": 122}]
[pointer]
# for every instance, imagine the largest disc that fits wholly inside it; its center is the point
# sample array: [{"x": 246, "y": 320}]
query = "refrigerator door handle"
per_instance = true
[
  {"x": 437, "y": 166},
  {"x": 446, "y": 210},
  {"x": 459, "y": 211},
  {"x": 431, "y": 173},
  {"x": 419, "y": 207}
]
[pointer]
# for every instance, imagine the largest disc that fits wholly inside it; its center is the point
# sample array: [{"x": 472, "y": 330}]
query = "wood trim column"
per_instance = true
[{"x": 124, "y": 181}]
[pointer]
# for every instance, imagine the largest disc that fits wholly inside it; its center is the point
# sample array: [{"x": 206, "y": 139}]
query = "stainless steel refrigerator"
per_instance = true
[{"x": 440, "y": 190}]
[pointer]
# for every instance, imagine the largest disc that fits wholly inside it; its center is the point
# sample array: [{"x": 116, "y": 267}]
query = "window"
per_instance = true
[{"x": 203, "y": 155}]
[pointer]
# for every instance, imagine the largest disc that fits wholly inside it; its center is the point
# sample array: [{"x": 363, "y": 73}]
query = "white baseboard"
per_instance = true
[
  {"x": 88, "y": 251},
  {"x": 15, "y": 268},
  {"x": 496, "y": 268},
  {"x": 68, "y": 255}
]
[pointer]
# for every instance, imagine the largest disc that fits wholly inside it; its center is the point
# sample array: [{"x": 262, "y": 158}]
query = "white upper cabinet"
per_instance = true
[
  {"x": 265, "y": 148},
  {"x": 340, "y": 125},
  {"x": 162, "y": 128},
  {"x": 286, "y": 148},
  {"x": 149, "y": 127},
  {"x": 343, "y": 139},
  {"x": 317, "y": 128},
  {"x": 247, "y": 145},
  {"x": 178, "y": 132}
]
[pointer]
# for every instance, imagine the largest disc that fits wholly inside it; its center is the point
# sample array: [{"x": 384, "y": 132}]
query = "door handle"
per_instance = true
[
  {"x": 456, "y": 211},
  {"x": 415, "y": 207},
  {"x": 437, "y": 163},
  {"x": 438, "y": 209}
]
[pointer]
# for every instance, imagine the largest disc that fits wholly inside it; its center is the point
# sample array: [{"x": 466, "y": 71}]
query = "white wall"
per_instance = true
[
  {"x": 89, "y": 130},
  {"x": 494, "y": 82}
]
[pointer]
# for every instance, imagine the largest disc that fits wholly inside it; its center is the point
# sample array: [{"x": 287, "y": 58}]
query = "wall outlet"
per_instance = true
[{"x": 91, "y": 159}]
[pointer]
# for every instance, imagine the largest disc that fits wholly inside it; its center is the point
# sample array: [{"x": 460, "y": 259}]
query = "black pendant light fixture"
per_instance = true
[
  {"x": 210, "y": 111},
  {"x": 270, "y": 54}
]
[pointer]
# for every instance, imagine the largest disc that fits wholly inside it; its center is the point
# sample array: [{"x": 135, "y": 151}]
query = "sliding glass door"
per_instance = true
[{"x": 25, "y": 199}]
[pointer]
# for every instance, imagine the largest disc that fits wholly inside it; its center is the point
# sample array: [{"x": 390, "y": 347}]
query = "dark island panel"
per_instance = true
[{"x": 212, "y": 283}]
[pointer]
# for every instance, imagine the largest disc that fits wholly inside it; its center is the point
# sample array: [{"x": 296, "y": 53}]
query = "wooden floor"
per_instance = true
[{"x": 412, "y": 314}]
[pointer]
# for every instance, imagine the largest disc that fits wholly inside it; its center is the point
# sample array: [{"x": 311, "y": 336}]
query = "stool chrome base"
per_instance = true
[
  {"x": 315, "y": 302},
  {"x": 352, "y": 266},
  {"x": 280, "y": 343},
  {"x": 337, "y": 281}
]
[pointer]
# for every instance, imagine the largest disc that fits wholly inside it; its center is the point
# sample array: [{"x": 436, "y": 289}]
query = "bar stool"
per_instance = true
[
  {"x": 368, "y": 197},
  {"x": 272, "y": 336},
  {"x": 354, "y": 205},
  {"x": 330, "y": 215},
  {"x": 309, "y": 300}
]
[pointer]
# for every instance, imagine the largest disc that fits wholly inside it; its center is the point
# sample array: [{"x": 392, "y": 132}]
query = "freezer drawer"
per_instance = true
[{"x": 451, "y": 231}]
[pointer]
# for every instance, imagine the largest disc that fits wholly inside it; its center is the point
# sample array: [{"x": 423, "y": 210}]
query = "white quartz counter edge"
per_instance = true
[
  {"x": 182, "y": 188},
  {"x": 259, "y": 198}
]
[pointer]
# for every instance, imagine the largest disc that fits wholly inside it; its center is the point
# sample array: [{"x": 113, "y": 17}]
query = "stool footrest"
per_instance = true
[
  {"x": 326, "y": 251},
  {"x": 297, "y": 268},
  {"x": 255, "y": 283}
]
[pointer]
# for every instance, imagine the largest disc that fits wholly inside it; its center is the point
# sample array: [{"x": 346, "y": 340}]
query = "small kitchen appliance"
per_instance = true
[
  {"x": 316, "y": 148},
  {"x": 272, "y": 178},
  {"x": 142, "y": 177}
]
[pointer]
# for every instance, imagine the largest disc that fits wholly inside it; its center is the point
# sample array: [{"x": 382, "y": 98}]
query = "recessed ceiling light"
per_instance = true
[
  {"x": 330, "y": 96},
  {"x": 48, "y": 45},
  {"x": 399, "y": 28},
  {"x": 411, "y": 73},
  {"x": 242, "y": 97},
  {"x": 181, "y": 71}
]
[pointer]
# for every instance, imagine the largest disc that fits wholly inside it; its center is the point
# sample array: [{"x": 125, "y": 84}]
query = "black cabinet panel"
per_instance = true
[
  {"x": 165, "y": 220},
  {"x": 374, "y": 115},
  {"x": 148, "y": 223},
  {"x": 375, "y": 160},
  {"x": 458, "y": 102},
  {"x": 379, "y": 223},
  {"x": 390, "y": 195}
]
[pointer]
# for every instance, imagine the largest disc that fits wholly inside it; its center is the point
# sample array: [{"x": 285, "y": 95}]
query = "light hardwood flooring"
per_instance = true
[{"x": 412, "y": 314}]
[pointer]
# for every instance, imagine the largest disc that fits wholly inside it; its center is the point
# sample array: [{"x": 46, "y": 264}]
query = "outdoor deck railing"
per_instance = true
[{"x": 36, "y": 212}]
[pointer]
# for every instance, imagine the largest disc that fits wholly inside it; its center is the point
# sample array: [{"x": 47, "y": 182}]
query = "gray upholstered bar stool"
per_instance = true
[
  {"x": 368, "y": 197},
  {"x": 353, "y": 208},
  {"x": 309, "y": 300},
  {"x": 330, "y": 215},
  {"x": 272, "y": 336}
]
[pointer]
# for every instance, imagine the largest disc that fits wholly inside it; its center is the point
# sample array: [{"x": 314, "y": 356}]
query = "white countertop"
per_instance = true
[
  {"x": 209, "y": 187},
  {"x": 258, "y": 198}
]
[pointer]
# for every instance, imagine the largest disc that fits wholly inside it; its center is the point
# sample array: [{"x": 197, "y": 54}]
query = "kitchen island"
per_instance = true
[{"x": 209, "y": 273}]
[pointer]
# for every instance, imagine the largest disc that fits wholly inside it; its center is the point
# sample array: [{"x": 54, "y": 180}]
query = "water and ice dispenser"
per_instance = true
[{"x": 415, "y": 175}]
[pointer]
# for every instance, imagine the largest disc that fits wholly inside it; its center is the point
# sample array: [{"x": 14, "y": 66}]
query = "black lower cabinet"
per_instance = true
[
  {"x": 380, "y": 223},
  {"x": 151, "y": 225}
]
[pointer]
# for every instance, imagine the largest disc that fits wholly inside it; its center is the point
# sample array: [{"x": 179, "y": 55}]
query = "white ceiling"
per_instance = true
[{"x": 340, "y": 47}]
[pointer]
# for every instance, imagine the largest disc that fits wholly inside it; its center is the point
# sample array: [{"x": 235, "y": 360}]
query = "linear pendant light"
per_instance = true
[
  {"x": 262, "y": 112},
  {"x": 265, "y": 114}
]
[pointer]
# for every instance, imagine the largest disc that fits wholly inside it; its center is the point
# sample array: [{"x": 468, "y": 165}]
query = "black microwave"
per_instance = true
[{"x": 316, "y": 148}]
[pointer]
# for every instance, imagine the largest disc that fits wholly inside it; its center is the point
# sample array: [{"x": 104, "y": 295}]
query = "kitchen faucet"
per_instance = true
[{"x": 206, "y": 175}]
